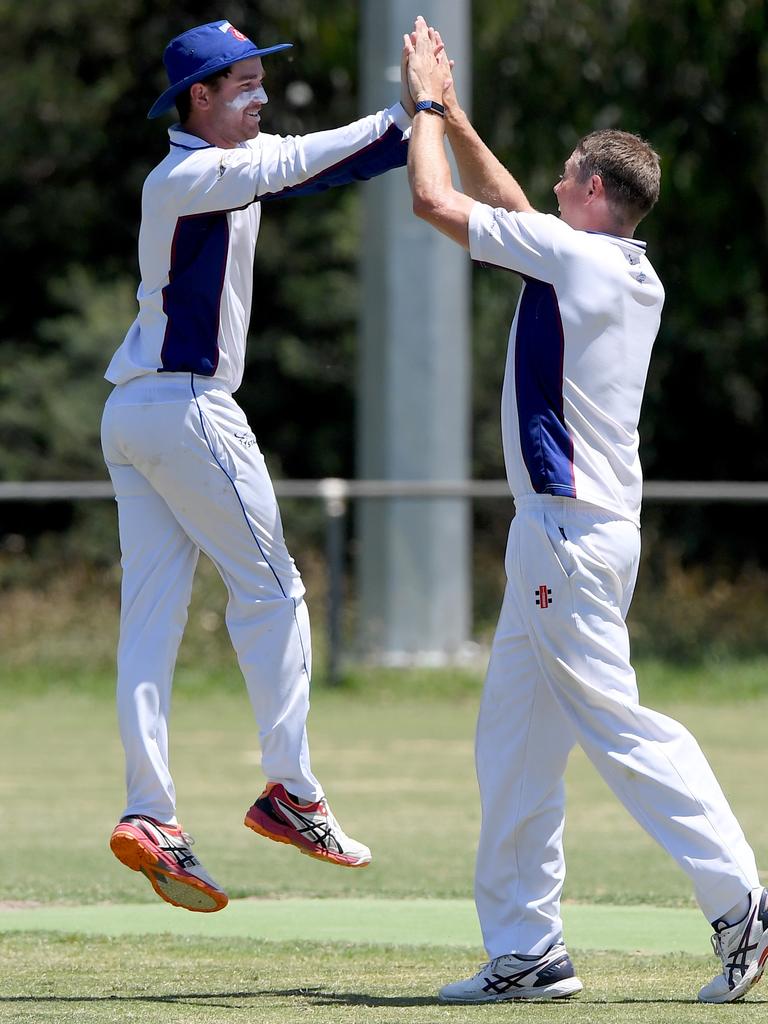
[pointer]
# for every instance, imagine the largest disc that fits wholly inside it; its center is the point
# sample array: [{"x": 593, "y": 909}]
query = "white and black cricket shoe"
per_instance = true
[
  {"x": 743, "y": 950},
  {"x": 517, "y": 976},
  {"x": 310, "y": 827}
]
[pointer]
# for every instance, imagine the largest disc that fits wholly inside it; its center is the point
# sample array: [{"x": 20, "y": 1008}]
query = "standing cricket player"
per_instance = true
[
  {"x": 186, "y": 468},
  {"x": 559, "y": 670}
]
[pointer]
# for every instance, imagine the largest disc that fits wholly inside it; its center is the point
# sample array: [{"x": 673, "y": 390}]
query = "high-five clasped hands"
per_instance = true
[{"x": 426, "y": 69}]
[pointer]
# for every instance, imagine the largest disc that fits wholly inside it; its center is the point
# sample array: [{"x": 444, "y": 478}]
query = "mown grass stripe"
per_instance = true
[{"x": 429, "y": 922}]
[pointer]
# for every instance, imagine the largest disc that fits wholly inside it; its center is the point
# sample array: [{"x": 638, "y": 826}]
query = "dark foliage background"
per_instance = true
[{"x": 691, "y": 76}]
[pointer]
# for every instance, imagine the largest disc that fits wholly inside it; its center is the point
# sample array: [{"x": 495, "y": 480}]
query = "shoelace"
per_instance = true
[
  {"x": 334, "y": 834},
  {"x": 183, "y": 852},
  {"x": 491, "y": 963},
  {"x": 717, "y": 945},
  {"x": 488, "y": 969},
  {"x": 731, "y": 971},
  {"x": 185, "y": 837},
  {"x": 332, "y": 823},
  {"x": 487, "y": 966}
]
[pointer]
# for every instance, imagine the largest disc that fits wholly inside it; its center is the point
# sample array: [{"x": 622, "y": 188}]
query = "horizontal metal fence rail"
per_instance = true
[
  {"x": 332, "y": 489},
  {"x": 336, "y": 493},
  {"x": 55, "y": 490}
]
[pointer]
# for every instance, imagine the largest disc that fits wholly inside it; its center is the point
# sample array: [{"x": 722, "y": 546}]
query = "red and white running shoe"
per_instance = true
[
  {"x": 162, "y": 853},
  {"x": 311, "y": 828}
]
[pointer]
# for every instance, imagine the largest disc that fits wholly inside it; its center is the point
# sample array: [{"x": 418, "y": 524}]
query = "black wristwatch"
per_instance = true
[{"x": 432, "y": 106}]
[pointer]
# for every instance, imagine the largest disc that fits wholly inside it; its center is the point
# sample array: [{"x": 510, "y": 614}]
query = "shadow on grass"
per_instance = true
[
  {"x": 318, "y": 997},
  {"x": 220, "y": 999},
  {"x": 223, "y": 999}
]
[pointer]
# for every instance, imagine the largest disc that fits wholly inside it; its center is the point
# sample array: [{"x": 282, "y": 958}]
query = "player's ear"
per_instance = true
[
  {"x": 199, "y": 95},
  {"x": 596, "y": 188}
]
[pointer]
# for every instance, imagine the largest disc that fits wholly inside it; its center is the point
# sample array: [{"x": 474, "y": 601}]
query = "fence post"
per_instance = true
[{"x": 334, "y": 493}]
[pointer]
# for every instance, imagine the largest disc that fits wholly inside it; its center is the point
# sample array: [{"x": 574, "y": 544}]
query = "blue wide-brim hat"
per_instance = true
[{"x": 200, "y": 52}]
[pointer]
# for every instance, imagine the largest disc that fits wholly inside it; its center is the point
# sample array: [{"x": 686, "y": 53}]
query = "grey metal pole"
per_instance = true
[
  {"x": 334, "y": 494},
  {"x": 413, "y": 393}
]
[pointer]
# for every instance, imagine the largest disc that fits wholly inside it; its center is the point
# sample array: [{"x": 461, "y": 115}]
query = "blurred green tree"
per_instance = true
[
  {"x": 77, "y": 149},
  {"x": 691, "y": 76}
]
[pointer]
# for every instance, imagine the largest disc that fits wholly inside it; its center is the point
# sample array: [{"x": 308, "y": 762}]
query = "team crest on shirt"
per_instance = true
[
  {"x": 543, "y": 596},
  {"x": 633, "y": 259}
]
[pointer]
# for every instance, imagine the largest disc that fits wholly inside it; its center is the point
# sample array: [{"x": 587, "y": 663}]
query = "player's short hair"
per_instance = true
[
  {"x": 184, "y": 99},
  {"x": 629, "y": 167}
]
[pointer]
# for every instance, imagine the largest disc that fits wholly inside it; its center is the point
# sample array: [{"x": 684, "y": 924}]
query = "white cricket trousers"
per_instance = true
[
  {"x": 189, "y": 476},
  {"x": 559, "y": 674}
]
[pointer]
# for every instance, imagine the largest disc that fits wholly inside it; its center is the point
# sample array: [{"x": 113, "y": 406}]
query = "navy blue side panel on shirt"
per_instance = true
[
  {"x": 192, "y": 297},
  {"x": 546, "y": 446},
  {"x": 382, "y": 155}
]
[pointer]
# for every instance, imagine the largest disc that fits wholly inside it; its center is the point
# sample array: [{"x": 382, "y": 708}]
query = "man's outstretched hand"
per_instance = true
[{"x": 425, "y": 71}]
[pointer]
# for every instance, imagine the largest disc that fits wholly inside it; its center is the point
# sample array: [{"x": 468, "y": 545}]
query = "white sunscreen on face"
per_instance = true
[{"x": 244, "y": 99}]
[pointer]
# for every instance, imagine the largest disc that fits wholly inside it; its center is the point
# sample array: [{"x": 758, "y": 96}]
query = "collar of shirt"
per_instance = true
[
  {"x": 626, "y": 243},
  {"x": 183, "y": 140}
]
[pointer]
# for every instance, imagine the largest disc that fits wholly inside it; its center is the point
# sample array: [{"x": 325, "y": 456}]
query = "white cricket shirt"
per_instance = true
[
  {"x": 201, "y": 208},
  {"x": 578, "y": 356}
]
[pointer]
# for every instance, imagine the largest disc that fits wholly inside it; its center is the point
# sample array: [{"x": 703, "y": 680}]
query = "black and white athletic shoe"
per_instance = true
[
  {"x": 743, "y": 950},
  {"x": 310, "y": 827},
  {"x": 516, "y": 976}
]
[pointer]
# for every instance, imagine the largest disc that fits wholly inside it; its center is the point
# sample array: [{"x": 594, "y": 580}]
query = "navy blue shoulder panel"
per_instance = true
[
  {"x": 388, "y": 151},
  {"x": 546, "y": 445},
  {"x": 192, "y": 297}
]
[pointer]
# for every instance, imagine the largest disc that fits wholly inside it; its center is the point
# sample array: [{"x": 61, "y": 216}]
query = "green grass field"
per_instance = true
[{"x": 305, "y": 941}]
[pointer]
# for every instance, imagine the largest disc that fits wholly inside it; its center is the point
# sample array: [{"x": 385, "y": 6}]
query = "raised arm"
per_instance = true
[
  {"x": 300, "y": 165},
  {"x": 435, "y": 199}
]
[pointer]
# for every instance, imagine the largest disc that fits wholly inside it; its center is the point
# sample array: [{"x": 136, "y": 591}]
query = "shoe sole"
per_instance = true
[
  {"x": 178, "y": 889},
  {"x": 565, "y": 989},
  {"x": 750, "y": 980},
  {"x": 264, "y": 826}
]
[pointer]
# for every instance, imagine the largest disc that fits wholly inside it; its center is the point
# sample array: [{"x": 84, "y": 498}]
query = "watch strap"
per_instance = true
[{"x": 431, "y": 106}]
